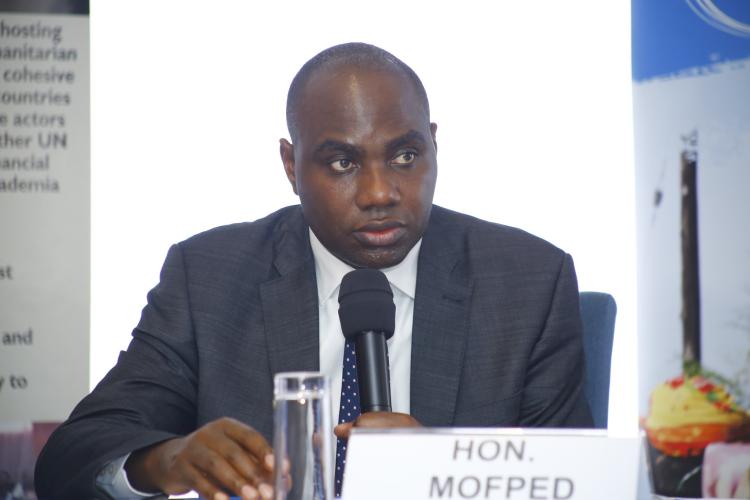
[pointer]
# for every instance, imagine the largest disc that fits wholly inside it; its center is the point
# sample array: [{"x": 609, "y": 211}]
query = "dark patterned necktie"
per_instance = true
[{"x": 349, "y": 408}]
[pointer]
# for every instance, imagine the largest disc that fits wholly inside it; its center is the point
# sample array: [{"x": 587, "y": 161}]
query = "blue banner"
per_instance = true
[{"x": 670, "y": 36}]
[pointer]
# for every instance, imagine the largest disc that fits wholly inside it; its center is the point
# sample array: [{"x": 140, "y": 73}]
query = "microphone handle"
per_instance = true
[{"x": 372, "y": 371}]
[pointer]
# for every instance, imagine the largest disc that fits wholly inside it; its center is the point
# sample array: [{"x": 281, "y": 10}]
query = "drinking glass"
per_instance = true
[{"x": 303, "y": 437}]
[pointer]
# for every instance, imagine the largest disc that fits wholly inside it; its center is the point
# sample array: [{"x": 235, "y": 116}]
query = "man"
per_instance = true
[{"x": 488, "y": 330}]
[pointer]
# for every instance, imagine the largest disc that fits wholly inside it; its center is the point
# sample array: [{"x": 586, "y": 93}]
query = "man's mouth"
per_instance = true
[{"x": 380, "y": 234}]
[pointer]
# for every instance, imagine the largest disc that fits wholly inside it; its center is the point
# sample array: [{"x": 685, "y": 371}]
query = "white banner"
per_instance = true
[{"x": 44, "y": 215}]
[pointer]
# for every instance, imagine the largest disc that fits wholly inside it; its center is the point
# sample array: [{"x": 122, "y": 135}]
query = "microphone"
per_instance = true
[{"x": 368, "y": 316}]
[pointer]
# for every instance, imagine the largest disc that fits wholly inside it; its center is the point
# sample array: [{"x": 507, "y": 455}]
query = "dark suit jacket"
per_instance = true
[{"x": 496, "y": 340}]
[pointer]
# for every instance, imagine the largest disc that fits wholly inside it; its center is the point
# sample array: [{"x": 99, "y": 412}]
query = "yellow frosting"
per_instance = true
[{"x": 692, "y": 401}]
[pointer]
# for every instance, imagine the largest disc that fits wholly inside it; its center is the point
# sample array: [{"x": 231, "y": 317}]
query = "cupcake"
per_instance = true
[{"x": 686, "y": 414}]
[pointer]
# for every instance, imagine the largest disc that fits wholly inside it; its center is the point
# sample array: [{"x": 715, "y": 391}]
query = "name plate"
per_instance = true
[{"x": 538, "y": 464}]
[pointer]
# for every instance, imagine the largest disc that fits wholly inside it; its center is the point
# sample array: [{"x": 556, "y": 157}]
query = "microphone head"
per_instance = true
[{"x": 366, "y": 303}]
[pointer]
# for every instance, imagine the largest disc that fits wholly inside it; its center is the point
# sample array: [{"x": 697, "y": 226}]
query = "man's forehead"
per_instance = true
[
  {"x": 361, "y": 59},
  {"x": 409, "y": 137},
  {"x": 353, "y": 98},
  {"x": 343, "y": 82}
]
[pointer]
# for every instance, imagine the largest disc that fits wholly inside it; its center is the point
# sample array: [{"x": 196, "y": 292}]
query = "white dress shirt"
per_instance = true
[{"x": 329, "y": 271}]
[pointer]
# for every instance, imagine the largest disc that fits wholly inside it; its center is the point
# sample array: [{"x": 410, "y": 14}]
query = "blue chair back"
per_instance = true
[{"x": 598, "y": 312}]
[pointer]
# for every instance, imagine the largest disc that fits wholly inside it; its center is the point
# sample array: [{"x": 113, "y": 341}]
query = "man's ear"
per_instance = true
[
  {"x": 286, "y": 149},
  {"x": 433, "y": 132}
]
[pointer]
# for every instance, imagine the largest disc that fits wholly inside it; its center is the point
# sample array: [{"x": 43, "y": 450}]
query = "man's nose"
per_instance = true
[{"x": 377, "y": 186}]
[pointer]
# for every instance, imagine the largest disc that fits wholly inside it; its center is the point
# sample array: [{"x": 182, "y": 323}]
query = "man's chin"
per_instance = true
[{"x": 377, "y": 258}]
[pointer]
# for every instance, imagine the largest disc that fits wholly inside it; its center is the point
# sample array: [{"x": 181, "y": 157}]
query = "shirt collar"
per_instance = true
[{"x": 329, "y": 270}]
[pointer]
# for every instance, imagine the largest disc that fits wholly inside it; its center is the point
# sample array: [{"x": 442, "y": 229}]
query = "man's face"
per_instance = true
[{"x": 363, "y": 164}]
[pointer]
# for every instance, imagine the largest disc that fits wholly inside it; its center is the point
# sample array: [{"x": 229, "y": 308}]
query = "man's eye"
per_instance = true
[
  {"x": 404, "y": 158},
  {"x": 342, "y": 165}
]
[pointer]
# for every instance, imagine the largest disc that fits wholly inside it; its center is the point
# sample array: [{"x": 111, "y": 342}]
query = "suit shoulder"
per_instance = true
[
  {"x": 490, "y": 245},
  {"x": 241, "y": 234},
  {"x": 245, "y": 249}
]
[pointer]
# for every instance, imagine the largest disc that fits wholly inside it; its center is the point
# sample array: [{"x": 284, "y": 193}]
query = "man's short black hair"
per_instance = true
[{"x": 356, "y": 54}]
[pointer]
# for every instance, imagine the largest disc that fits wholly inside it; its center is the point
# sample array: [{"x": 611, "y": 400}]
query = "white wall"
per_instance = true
[{"x": 532, "y": 99}]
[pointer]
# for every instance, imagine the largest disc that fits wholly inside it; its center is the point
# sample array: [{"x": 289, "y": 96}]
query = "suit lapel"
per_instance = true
[
  {"x": 290, "y": 302},
  {"x": 440, "y": 328}
]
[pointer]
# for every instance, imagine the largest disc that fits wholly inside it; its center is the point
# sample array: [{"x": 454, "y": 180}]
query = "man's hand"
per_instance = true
[
  {"x": 223, "y": 455},
  {"x": 376, "y": 420}
]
